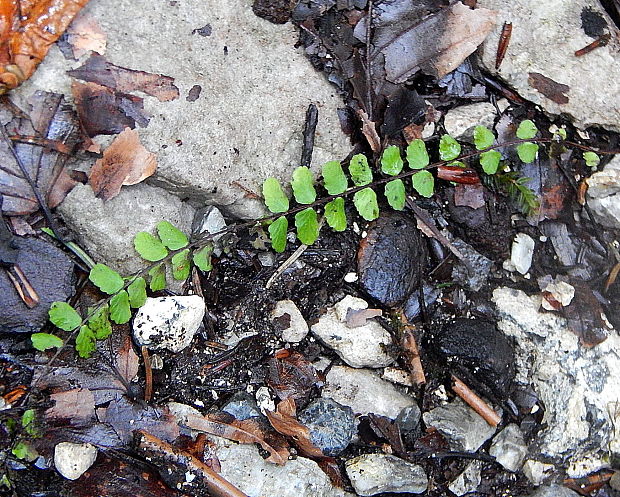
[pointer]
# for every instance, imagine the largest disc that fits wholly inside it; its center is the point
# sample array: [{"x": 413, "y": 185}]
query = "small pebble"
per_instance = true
[{"x": 73, "y": 460}]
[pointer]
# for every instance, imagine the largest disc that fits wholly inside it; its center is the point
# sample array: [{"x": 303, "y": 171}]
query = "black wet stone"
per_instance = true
[
  {"x": 50, "y": 272},
  {"x": 592, "y": 22},
  {"x": 331, "y": 425},
  {"x": 391, "y": 258},
  {"x": 478, "y": 352}
]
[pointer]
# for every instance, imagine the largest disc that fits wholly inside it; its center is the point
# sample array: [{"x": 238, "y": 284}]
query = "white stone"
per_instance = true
[
  {"x": 536, "y": 471},
  {"x": 364, "y": 392},
  {"x": 298, "y": 328},
  {"x": 468, "y": 480},
  {"x": 359, "y": 347},
  {"x": 576, "y": 384},
  {"x": 168, "y": 322},
  {"x": 604, "y": 194},
  {"x": 398, "y": 376},
  {"x": 73, "y": 460},
  {"x": 509, "y": 448},
  {"x": 372, "y": 474},
  {"x": 461, "y": 121},
  {"x": 460, "y": 424},
  {"x": 522, "y": 252},
  {"x": 247, "y": 470},
  {"x": 545, "y": 36},
  {"x": 561, "y": 291}
]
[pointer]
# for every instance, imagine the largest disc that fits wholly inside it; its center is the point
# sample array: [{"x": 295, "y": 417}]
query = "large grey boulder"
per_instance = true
[{"x": 541, "y": 65}]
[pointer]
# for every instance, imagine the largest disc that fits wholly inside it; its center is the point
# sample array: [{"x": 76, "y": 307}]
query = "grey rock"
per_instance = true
[
  {"x": 73, "y": 460},
  {"x": 362, "y": 346},
  {"x": 476, "y": 275},
  {"x": 576, "y": 384},
  {"x": 372, "y": 474},
  {"x": 461, "y": 121},
  {"x": 246, "y": 125},
  {"x": 604, "y": 194},
  {"x": 536, "y": 471},
  {"x": 300, "y": 477},
  {"x": 168, "y": 322},
  {"x": 468, "y": 480},
  {"x": 554, "y": 491},
  {"x": 460, "y": 424},
  {"x": 106, "y": 229},
  {"x": 544, "y": 39},
  {"x": 364, "y": 392},
  {"x": 509, "y": 448},
  {"x": 331, "y": 425},
  {"x": 408, "y": 419},
  {"x": 49, "y": 270},
  {"x": 412, "y": 306},
  {"x": 242, "y": 406},
  {"x": 288, "y": 318}
]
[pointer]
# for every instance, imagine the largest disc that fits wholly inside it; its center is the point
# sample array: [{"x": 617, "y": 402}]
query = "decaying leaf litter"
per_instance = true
[{"x": 381, "y": 110}]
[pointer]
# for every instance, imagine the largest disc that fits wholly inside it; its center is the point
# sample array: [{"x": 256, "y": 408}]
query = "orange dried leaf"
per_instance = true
[
  {"x": 284, "y": 422},
  {"x": 124, "y": 162}
]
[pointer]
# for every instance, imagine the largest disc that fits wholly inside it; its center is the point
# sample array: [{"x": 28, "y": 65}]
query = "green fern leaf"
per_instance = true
[
  {"x": 483, "y": 137},
  {"x": 391, "y": 162},
  {"x": 526, "y": 130},
  {"x": 424, "y": 183},
  {"x": 307, "y": 226},
  {"x": 359, "y": 170},
  {"x": 365, "y": 202},
  {"x": 334, "y": 180},
  {"x": 395, "y": 194},
  {"x": 527, "y": 152},
  {"x": 417, "y": 155},
  {"x": 490, "y": 161},
  {"x": 302, "y": 185},
  {"x": 277, "y": 233},
  {"x": 275, "y": 199},
  {"x": 449, "y": 148},
  {"x": 335, "y": 216}
]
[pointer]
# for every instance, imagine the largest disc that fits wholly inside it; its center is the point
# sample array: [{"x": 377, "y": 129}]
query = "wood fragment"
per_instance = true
[
  {"x": 165, "y": 455},
  {"x": 24, "y": 289},
  {"x": 613, "y": 274},
  {"x": 504, "y": 40},
  {"x": 312, "y": 117},
  {"x": 410, "y": 346},
  {"x": 148, "y": 374},
  {"x": 601, "y": 41},
  {"x": 475, "y": 402},
  {"x": 369, "y": 130}
]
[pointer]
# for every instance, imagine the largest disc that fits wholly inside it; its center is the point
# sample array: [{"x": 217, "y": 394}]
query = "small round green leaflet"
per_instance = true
[
  {"x": 275, "y": 200},
  {"x": 592, "y": 160},
  {"x": 334, "y": 180},
  {"x": 172, "y": 237},
  {"x": 180, "y": 265},
  {"x": 391, "y": 162},
  {"x": 106, "y": 279},
  {"x": 395, "y": 194},
  {"x": 44, "y": 341},
  {"x": 359, "y": 170},
  {"x": 85, "y": 342},
  {"x": 64, "y": 316},
  {"x": 149, "y": 247},
  {"x": 526, "y": 130},
  {"x": 307, "y": 226},
  {"x": 277, "y": 233},
  {"x": 449, "y": 148},
  {"x": 137, "y": 293},
  {"x": 483, "y": 137},
  {"x": 100, "y": 323},
  {"x": 335, "y": 216},
  {"x": 302, "y": 184},
  {"x": 158, "y": 278},
  {"x": 28, "y": 422},
  {"x": 490, "y": 161},
  {"x": 423, "y": 183},
  {"x": 365, "y": 202},
  {"x": 417, "y": 156},
  {"x": 202, "y": 258},
  {"x": 24, "y": 451},
  {"x": 527, "y": 152},
  {"x": 120, "y": 312}
]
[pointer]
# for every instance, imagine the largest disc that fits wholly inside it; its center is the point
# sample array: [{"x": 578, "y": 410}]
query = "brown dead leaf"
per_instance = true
[
  {"x": 284, "y": 422},
  {"x": 98, "y": 70},
  {"x": 292, "y": 375},
  {"x": 127, "y": 363},
  {"x": 27, "y": 29},
  {"x": 551, "y": 89},
  {"x": 85, "y": 35},
  {"x": 249, "y": 431},
  {"x": 469, "y": 196},
  {"x": 360, "y": 317},
  {"x": 103, "y": 111},
  {"x": 77, "y": 406},
  {"x": 124, "y": 162}
]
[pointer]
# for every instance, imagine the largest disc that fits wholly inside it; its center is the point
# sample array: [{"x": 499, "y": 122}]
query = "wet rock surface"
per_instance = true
[
  {"x": 463, "y": 428},
  {"x": 576, "y": 384},
  {"x": 372, "y": 474},
  {"x": 49, "y": 270},
  {"x": 603, "y": 194},
  {"x": 509, "y": 448},
  {"x": 478, "y": 350},
  {"x": 331, "y": 425},
  {"x": 391, "y": 258},
  {"x": 540, "y": 63}
]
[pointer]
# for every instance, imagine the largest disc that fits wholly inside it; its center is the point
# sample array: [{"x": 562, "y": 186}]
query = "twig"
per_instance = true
[
  {"x": 412, "y": 352},
  {"x": 148, "y": 374},
  {"x": 286, "y": 264},
  {"x": 475, "y": 402},
  {"x": 312, "y": 117},
  {"x": 369, "y": 85},
  {"x": 170, "y": 460}
]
